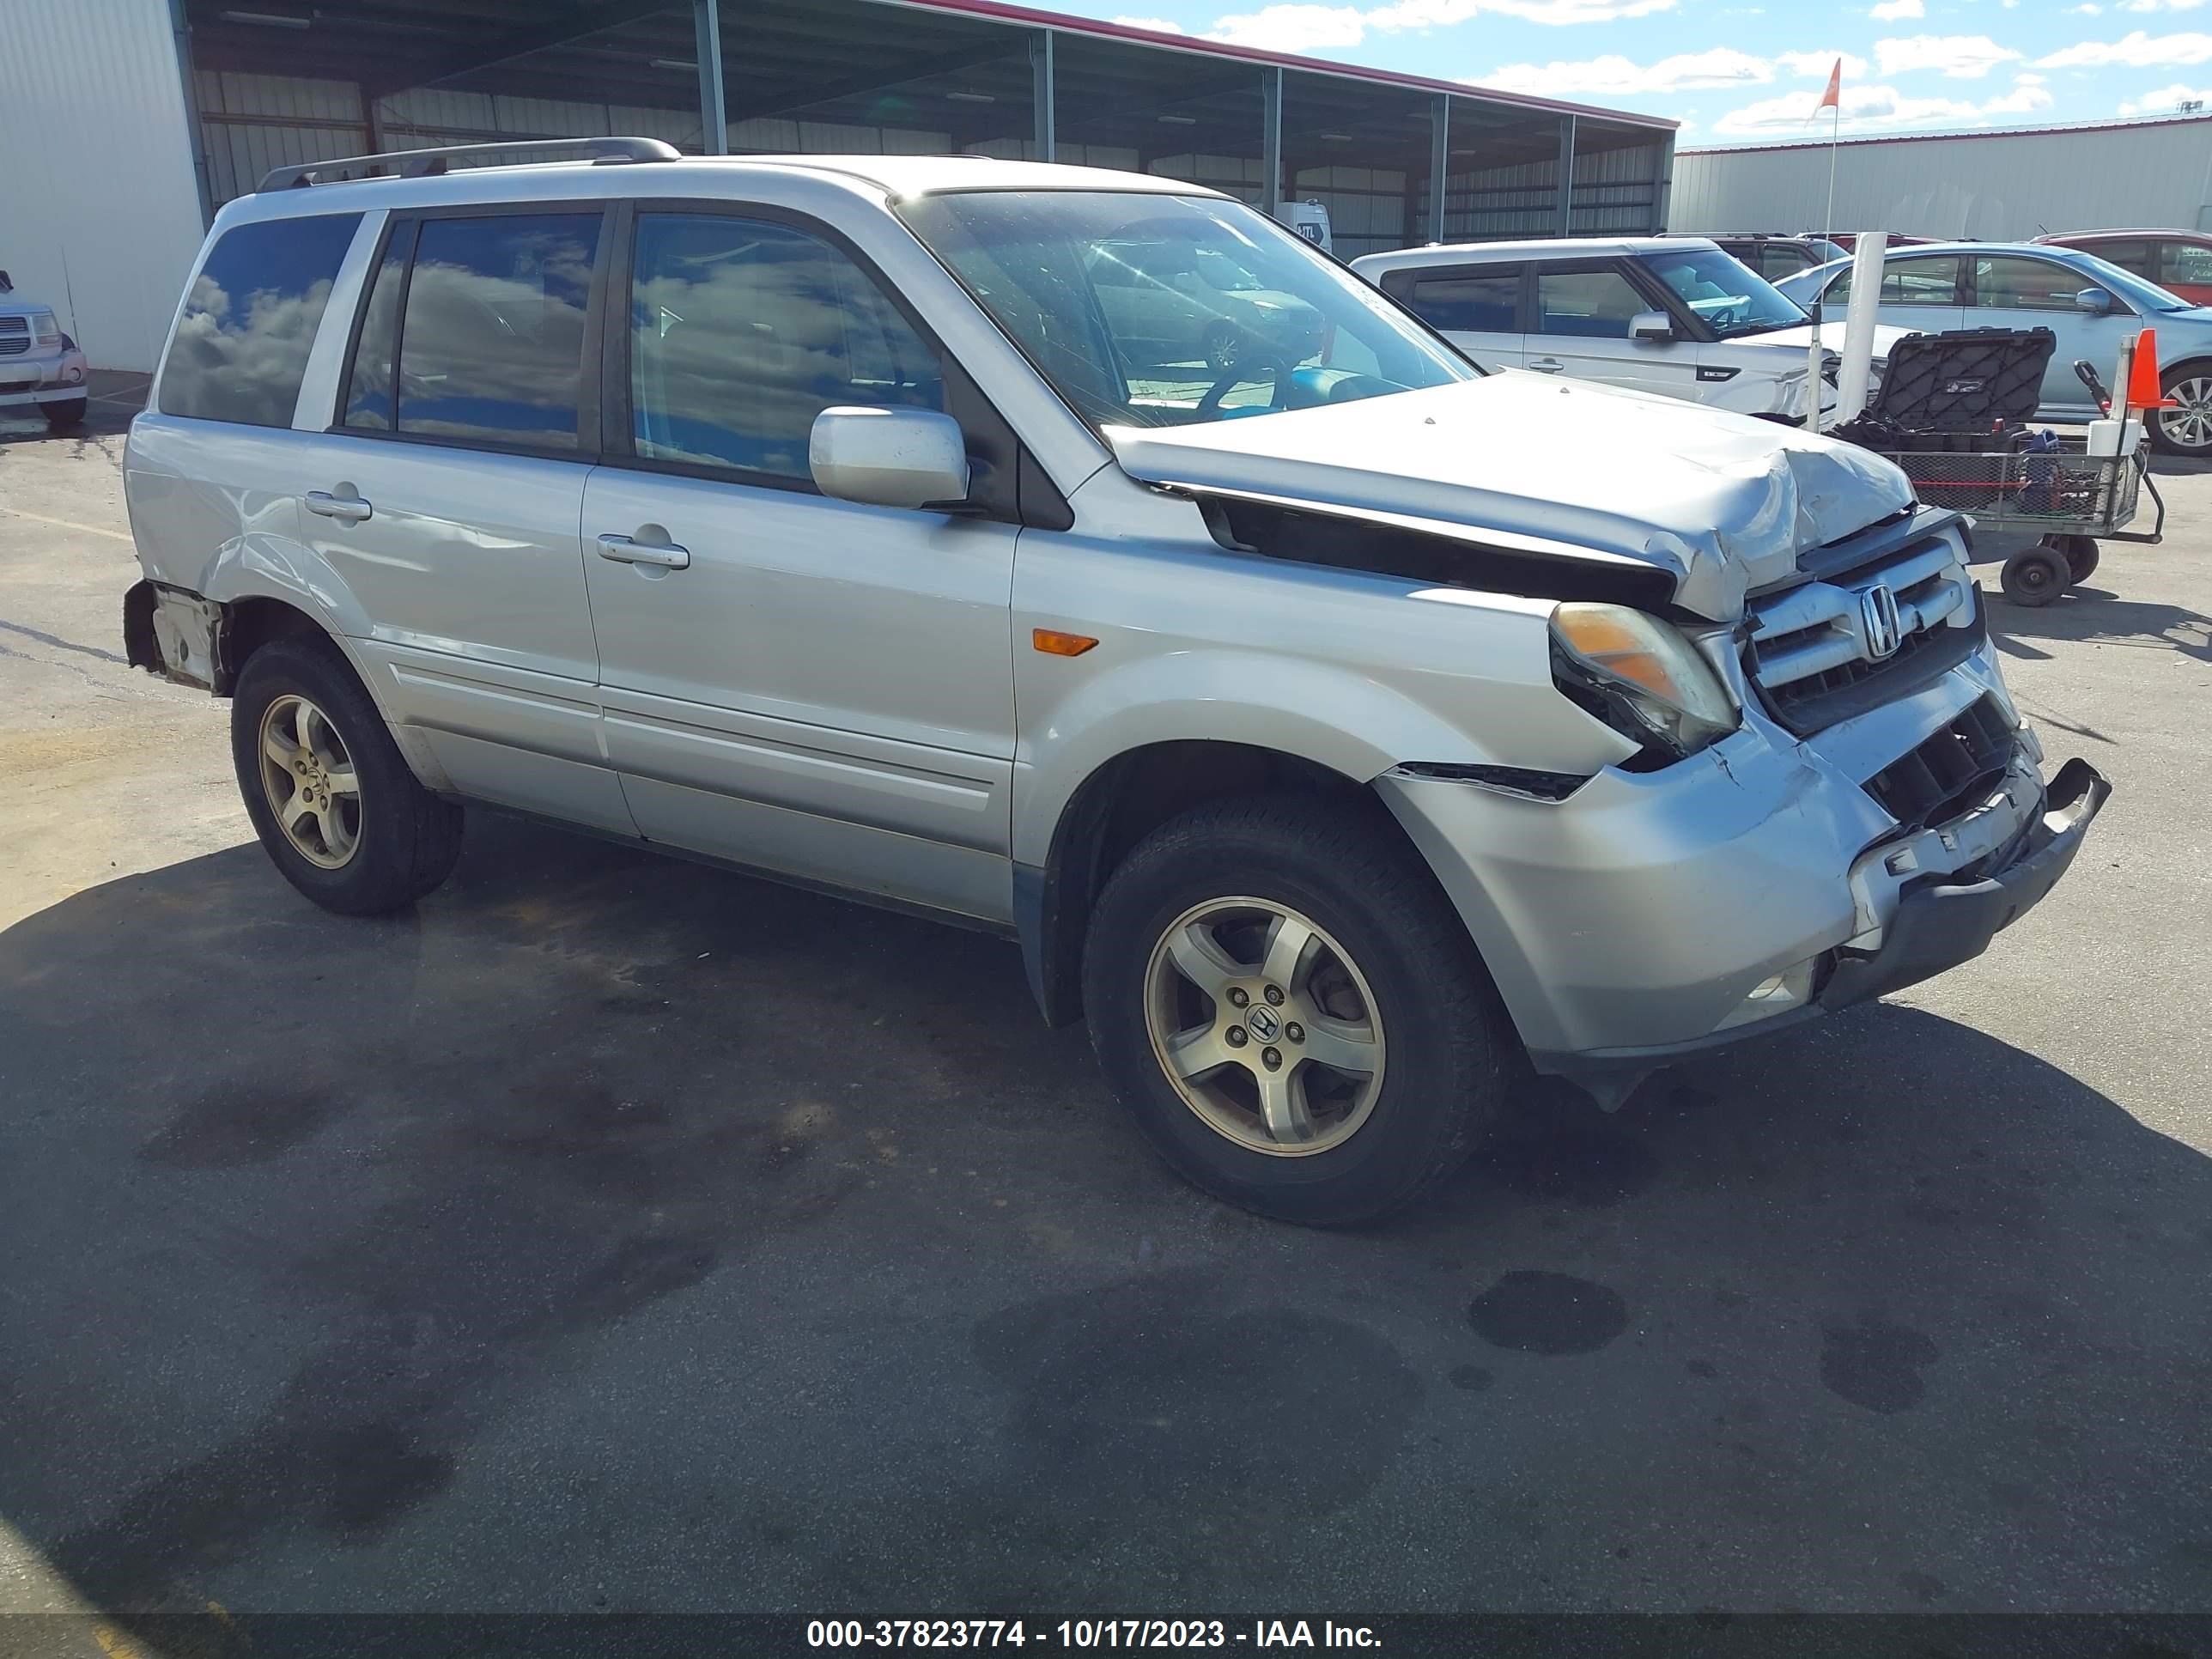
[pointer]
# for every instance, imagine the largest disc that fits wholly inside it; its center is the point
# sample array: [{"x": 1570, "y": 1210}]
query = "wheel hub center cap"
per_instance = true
[{"x": 1263, "y": 1022}]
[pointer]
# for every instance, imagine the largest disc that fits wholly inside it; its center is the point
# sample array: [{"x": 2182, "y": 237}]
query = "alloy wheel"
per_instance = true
[
  {"x": 307, "y": 776},
  {"x": 2188, "y": 426},
  {"x": 1264, "y": 1026}
]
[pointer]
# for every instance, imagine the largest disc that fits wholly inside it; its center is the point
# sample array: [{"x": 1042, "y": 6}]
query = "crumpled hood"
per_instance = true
[{"x": 1723, "y": 503}]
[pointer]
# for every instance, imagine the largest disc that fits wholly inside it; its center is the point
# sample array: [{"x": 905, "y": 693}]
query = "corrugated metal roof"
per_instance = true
[
  {"x": 1003, "y": 12},
  {"x": 1956, "y": 138}
]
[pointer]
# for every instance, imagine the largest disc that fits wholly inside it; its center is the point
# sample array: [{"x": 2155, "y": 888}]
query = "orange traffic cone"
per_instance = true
[{"x": 2143, "y": 389}]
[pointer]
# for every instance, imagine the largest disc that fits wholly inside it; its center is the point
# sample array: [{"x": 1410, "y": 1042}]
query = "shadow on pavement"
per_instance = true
[{"x": 611, "y": 1233}]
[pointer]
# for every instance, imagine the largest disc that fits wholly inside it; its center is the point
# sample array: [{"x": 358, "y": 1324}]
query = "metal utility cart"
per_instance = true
[
  {"x": 1952, "y": 413},
  {"x": 2069, "y": 497}
]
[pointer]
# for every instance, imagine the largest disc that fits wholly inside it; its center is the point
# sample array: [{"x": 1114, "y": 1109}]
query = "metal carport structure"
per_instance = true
[{"x": 1393, "y": 156}]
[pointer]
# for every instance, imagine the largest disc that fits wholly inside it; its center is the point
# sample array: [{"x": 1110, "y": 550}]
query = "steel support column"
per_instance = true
[
  {"x": 1439, "y": 161},
  {"x": 1566, "y": 176},
  {"x": 713, "y": 109},
  {"x": 1271, "y": 140},
  {"x": 1663, "y": 201},
  {"x": 180, "y": 30},
  {"x": 1040, "y": 93}
]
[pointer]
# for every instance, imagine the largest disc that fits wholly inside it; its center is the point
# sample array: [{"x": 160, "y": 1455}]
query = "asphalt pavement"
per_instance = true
[{"x": 616, "y": 1234}]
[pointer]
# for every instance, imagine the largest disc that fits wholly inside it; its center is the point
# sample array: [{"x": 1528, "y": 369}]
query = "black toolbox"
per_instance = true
[{"x": 1966, "y": 395}]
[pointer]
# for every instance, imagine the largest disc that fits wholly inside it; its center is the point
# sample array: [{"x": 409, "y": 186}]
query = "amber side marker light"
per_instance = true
[{"x": 1054, "y": 643}]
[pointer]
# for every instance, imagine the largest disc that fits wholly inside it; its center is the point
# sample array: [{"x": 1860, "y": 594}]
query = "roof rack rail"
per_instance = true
[{"x": 426, "y": 163}]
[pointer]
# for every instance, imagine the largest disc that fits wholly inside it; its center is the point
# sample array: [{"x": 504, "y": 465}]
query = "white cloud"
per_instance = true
[
  {"x": 2028, "y": 78},
  {"x": 1620, "y": 78},
  {"x": 1875, "y": 107},
  {"x": 1305, "y": 27},
  {"x": 2166, "y": 100},
  {"x": 1157, "y": 25},
  {"x": 2136, "y": 50},
  {"x": 1815, "y": 65},
  {"x": 2087, "y": 9},
  {"x": 1962, "y": 57},
  {"x": 2159, "y": 5},
  {"x": 1890, "y": 11},
  {"x": 1293, "y": 28}
]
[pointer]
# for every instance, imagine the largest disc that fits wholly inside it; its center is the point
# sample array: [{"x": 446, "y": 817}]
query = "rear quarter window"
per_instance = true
[{"x": 250, "y": 318}]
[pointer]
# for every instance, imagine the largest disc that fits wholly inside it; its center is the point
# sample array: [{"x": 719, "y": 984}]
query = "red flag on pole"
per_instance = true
[{"x": 1833, "y": 97}]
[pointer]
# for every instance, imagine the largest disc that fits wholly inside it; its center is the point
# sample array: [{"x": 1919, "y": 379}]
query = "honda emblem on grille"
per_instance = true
[{"x": 1884, "y": 631}]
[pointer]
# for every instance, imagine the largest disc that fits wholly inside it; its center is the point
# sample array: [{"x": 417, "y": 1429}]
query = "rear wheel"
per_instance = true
[
  {"x": 1289, "y": 1007},
  {"x": 334, "y": 803},
  {"x": 64, "y": 416},
  {"x": 2185, "y": 428},
  {"x": 2080, "y": 552}
]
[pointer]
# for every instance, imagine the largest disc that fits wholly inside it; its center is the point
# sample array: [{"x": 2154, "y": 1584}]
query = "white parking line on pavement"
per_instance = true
[{"x": 65, "y": 524}]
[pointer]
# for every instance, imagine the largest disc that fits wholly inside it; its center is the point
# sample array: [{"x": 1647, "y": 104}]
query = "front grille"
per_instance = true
[
  {"x": 15, "y": 335},
  {"x": 1815, "y": 652},
  {"x": 1950, "y": 773}
]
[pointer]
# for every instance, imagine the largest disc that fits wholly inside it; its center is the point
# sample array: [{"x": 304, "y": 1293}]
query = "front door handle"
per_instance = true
[
  {"x": 623, "y": 550},
  {"x": 1547, "y": 365},
  {"x": 346, "y": 506}
]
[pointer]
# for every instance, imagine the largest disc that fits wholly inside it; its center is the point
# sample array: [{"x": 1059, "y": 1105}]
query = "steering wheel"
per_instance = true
[{"x": 1210, "y": 405}]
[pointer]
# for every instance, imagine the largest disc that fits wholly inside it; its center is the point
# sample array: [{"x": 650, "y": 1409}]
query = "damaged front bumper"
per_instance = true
[{"x": 1651, "y": 916}]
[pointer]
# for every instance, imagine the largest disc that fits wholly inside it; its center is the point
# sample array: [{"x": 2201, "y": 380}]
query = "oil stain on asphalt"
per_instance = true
[{"x": 1544, "y": 1313}]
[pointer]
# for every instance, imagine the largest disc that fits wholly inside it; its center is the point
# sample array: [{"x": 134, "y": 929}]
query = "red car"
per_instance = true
[{"x": 2180, "y": 261}]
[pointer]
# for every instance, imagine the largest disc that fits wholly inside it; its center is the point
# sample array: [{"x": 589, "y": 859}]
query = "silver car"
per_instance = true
[
  {"x": 1327, "y": 732},
  {"x": 2093, "y": 307}
]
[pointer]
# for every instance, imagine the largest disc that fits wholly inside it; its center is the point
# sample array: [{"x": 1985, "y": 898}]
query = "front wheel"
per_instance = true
[
  {"x": 2185, "y": 429},
  {"x": 335, "y": 805},
  {"x": 1287, "y": 1004},
  {"x": 66, "y": 416},
  {"x": 2036, "y": 576}
]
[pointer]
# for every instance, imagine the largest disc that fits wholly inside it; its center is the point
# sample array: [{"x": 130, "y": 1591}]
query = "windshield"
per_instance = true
[
  {"x": 1732, "y": 298},
  {"x": 2143, "y": 295},
  {"x": 1144, "y": 309}
]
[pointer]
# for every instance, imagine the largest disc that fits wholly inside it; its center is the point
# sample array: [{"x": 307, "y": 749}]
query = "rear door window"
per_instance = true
[
  {"x": 490, "y": 326},
  {"x": 2128, "y": 256},
  {"x": 1932, "y": 282},
  {"x": 249, "y": 320},
  {"x": 1474, "y": 302}
]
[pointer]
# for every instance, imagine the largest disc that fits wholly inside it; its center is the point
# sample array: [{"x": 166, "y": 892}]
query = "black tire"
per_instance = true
[
  {"x": 2183, "y": 431},
  {"x": 64, "y": 416},
  {"x": 2036, "y": 577},
  {"x": 408, "y": 838},
  {"x": 2080, "y": 552},
  {"x": 1451, "y": 1048}
]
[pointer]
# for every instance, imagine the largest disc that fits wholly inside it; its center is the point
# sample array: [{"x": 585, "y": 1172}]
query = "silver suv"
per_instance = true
[{"x": 1330, "y": 726}]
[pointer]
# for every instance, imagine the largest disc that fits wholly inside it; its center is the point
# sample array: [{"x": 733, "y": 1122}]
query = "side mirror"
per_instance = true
[
  {"x": 2094, "y": 301},
  {"x": 1653, "y": 325},
  {"x": 910, "y": 457}
]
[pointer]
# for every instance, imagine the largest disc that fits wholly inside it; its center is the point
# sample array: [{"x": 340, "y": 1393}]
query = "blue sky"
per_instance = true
[{"x": 1744, "y": 71}]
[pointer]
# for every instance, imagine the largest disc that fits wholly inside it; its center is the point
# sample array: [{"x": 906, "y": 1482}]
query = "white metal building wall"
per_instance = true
[
  {"x": 2003, "y": 187},
  {"x": 99, "y": 214}
]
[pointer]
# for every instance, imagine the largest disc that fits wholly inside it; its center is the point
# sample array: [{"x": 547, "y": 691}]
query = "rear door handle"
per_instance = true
[
  {"x": 347, "y": 509},
  {"x": 622, "y": 550},
  {"x": 1547, "y": 365}
]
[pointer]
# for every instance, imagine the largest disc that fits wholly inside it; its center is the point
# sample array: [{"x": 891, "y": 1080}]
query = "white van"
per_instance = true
[{"x": 1672, "y": 315}]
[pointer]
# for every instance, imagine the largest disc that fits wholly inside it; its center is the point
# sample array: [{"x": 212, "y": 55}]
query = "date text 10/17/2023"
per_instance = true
[{"x": 1086, "y": 1634}]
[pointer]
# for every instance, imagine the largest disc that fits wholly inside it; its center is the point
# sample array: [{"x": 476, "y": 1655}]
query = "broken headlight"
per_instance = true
[{"x": 1640, "y": 677}]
